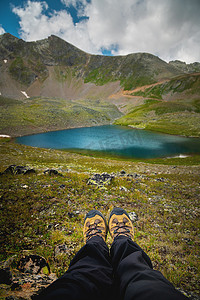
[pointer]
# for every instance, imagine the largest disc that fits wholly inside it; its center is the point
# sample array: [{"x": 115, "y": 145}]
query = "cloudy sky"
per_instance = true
[{"x": 169, "y": 29}]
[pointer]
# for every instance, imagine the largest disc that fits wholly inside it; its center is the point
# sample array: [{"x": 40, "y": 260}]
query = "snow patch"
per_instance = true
[
  {"x": 179, "y": 156},
  {"x": 25, "y": 94},
  {"x": 5, "y": 61},
  {"x": 183, "y": 156},
  {"x": 4, "y": 136}
]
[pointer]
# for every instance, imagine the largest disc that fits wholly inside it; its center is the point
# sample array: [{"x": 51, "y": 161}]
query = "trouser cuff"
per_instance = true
[
  {"x": 122, "y": 237},
  {"x": 96, "y": 239}
]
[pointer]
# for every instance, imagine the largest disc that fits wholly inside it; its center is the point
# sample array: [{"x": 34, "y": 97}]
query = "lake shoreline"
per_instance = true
[{"x": 74, "y": 127}]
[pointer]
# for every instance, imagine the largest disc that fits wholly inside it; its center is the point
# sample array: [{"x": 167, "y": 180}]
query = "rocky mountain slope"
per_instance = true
[
  {"x": 53, "y": 67},
  {"x": 172, "y": 106}
]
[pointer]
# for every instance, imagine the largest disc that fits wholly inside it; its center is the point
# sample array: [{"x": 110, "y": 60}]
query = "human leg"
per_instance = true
[
  {"x": 133, "y": 271},
  {"x": 90, "y": 272}
]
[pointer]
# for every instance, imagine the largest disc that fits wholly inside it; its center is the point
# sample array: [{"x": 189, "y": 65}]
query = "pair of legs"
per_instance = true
[{"x": 124, "y": 272}]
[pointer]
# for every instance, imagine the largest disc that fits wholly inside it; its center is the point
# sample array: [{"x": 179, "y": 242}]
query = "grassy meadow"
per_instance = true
[
  {"x": 39, "y": 212},
  {"x": 34, "y": 115}
]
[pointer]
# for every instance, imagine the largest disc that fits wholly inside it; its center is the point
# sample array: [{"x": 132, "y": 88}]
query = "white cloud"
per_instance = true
[
  {"x": 74, "y": 3},
  {"x": 35, "y": 25},
  {"x": 169, "y": 29},
  {"x": 80, "y": 5},
  {"x": 2, "y": 31}
]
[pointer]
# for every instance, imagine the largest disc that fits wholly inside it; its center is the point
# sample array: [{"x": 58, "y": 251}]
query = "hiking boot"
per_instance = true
[
  {"x": 94, "y": 225},
  {"x": 120, "y": 224}
]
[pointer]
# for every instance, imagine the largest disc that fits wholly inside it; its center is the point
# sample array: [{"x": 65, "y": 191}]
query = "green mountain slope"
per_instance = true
[
  {"x": 44, "y": 114},
  {"x": 180, "y": 114}
]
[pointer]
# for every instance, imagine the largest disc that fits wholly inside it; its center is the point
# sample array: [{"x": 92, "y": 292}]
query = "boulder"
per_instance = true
[
  {"x": 100, "y": 179},
  {"x": 52, "y": 172},
  {"x": 32, "y": 264},
  {"x": 122, "y": 173},
  {"x": 16, "y": 170}
]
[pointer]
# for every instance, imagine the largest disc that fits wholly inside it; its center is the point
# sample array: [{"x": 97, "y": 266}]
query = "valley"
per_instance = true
[{"x": 51, "y": 85}]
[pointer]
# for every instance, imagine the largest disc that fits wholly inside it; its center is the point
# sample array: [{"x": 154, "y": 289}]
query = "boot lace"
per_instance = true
[
  {"x": 93, "y": 229},
  {"x": 121, "y": 228}
]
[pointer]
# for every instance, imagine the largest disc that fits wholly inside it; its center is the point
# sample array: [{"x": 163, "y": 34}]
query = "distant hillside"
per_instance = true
[
  {"x": 22, "y": 117},
  {"x": 51, "y": 85},
  {"x": 186, "y": 68},
  {"x": 172, "y": 107},
  {"x": 53, "y": 67}
]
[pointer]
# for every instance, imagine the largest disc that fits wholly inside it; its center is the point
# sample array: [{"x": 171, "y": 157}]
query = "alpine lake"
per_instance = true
[{"x": 114, "y": 140}]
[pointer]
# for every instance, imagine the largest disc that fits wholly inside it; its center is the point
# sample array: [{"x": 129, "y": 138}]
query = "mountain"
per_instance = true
[
  {"x": 69, "y": 88},
  {"x": 53, "y": 67},
  {"x": 186, "y": 68}
]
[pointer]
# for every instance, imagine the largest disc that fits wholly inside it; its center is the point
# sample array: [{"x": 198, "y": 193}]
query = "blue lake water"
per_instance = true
[{"x": 115, "y": 140}]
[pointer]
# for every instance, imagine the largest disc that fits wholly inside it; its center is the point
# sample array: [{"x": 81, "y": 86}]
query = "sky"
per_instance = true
[{"x": 169, "y": 29}]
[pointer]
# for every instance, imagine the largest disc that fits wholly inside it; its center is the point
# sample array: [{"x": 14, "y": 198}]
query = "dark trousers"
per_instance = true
[{"x": 124, "y": 273}]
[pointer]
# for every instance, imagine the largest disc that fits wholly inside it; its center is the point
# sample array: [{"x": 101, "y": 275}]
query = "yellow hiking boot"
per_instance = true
[
  {"x": 94, "y": 225},
  {"x": 120, "y": 224}
]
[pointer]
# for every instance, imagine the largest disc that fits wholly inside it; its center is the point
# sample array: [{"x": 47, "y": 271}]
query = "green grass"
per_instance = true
[
  {"x": 174, "y": 117},
  {"x": 186, "y": 161},
  {"x": 179, "y": 116},
  {"x": 165, "y": 197},
  {"x": 134, "y": 81},
  {"x": 184, "y": 83},
  {"x": 102, "y": 75},
  {"x": 44, "y": 114}
]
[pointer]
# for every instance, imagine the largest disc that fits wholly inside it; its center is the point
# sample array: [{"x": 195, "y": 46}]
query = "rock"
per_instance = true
[
  {"x": 62, "y": 186},
  {"x": 50, "y": 227},
  {"x": 5, "y": 276},
  {"x": 100, "y": 179},
  {"x": 123, "y": 188},
  {"x": 122, "y": 173},
  {"x": 28, "y": 286},
  {"x": 32, "y": 264},
  {"x": 71, "y": 215},
  {"x": 160, "y": 179},
  {"x": 133, "y": 216},
  {"x": 25, "y": 186},
  {"x": 63, "y": 249},
  {"x": 16, "y": 170},
  {"x": 52, "y": 172},
  {"x": 8, "y": 262},
  {"x": 130, "y": 175},
  {"x": 60, "y": 249}
]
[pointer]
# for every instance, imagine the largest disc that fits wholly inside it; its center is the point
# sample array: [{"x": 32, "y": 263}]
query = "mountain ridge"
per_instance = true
[{"x": 28, "y": 62}]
